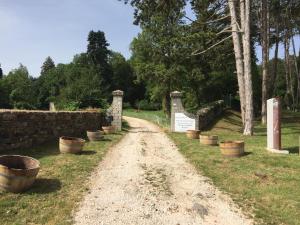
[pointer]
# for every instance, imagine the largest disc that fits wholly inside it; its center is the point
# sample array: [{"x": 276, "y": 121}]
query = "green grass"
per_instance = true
[
  {"x": 273, "y": 197},
  {"x": 61, "y": 183},
  {"x": 156, "y": 117}
]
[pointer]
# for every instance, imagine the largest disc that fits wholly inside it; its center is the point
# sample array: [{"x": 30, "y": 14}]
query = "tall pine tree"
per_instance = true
[{"x": 47, "y": 65}]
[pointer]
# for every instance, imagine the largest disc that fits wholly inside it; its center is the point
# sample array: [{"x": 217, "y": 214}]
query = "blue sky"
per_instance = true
[{"x": 31, "y": 30}]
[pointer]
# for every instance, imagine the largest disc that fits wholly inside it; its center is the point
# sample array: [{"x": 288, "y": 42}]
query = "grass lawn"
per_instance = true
[
  {"x": 273, "y": 197},
  {"x": 61, "y": 183},
  {"x": 157, "y": 117}
]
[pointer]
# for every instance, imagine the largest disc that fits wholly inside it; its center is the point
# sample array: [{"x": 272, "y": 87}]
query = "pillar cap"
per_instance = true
[
  {"x": 118, "y": 93},
  {"x": 176, "y": 94}
]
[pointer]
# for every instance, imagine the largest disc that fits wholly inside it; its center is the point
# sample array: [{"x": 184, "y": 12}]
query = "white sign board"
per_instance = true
[{"x": 184, "y": 123}]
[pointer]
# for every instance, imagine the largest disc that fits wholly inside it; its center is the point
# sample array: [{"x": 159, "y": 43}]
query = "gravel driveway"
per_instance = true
[{"x": 145, "y": 180}]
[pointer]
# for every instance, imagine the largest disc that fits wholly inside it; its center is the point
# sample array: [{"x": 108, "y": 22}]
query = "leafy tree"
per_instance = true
[
  {"x": 156, "y": 54},
  {"x": 48, "y": 85},
  {"x": 125, "y": 79},
  {"x": 19, "y": 86},
  {"x": 82, "y": 85},
  {"x": 167, "y": 55}
]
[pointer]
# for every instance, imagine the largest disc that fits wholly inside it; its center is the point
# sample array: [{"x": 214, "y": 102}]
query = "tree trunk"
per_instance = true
[
  {"x": 238, "y": 56},
  {"x": 296, "y": 71},
  {"x": 287, "y": 69},
  {"x": 248, "y": 128},
  {"x": 166, "y": 101},
  {"x": 166, "y": 105},
  {"x": 265, "y": 59},
  {"x": 273, "y": 79}
]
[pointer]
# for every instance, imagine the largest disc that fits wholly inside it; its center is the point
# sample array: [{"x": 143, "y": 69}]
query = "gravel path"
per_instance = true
[{"x": 145, "y": 180}]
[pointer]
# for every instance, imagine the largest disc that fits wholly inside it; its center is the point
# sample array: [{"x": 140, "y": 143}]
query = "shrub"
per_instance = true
[
  {"x": 126, "y": 105},
  {"x": 68, "y": 106},
  {"x": 146, "y": 105}
]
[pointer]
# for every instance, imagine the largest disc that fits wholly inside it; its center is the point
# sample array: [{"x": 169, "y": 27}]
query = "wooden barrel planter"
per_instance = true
[
  {"x": 108, "y": 129},
  {"x": 71, "y": 144},
  {"x": 193, "y": 134},
  {"x": 94, "y": 135},
  {"x": 17, "y": 173},
  {"x": 232, "y": 148},
  {"x": 209, "y": 139}
]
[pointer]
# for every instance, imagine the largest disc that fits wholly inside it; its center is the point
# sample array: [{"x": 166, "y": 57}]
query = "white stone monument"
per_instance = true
[
  {"x": 274, "y": 126},
  {"x": 181, "y": 121},
  {"x": 184, "y": 123}
]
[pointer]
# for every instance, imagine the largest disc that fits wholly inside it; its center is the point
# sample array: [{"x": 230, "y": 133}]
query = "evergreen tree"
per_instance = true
[
  {"x": 1, "y": 72},
  {"x": 47, "y": 65},
  {"x": 98, "y": 54}
]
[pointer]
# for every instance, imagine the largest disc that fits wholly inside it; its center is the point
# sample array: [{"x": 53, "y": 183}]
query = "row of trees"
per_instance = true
[
  {"x": 279, "y": 23},
  {"x": 201, "y": 55},
  {"x": 85, "y": 82},
  {"x": 208, "y": 57}
]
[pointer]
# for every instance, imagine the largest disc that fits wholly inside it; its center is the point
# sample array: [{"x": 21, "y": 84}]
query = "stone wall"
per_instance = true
[
  {"x": 208, "y": 114},
  {"x": 21, "y": 129}
]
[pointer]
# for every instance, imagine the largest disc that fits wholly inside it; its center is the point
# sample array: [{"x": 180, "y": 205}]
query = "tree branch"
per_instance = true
[
  {"x": 199, "y": 53},
  {"x": 188, "y": 18},
  {"x": 212, "y": 21}
]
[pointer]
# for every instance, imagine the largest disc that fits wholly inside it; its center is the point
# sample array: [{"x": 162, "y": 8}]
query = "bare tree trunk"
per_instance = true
[
  {"x": 296, "y": 71},
  {"x": 265, "y": 59},
  {"x": 248, "y": 128},
  {"x": 287, "y": 68},
  {"x": 238, "y": 55},
  {"x": 275, "y": 63}
]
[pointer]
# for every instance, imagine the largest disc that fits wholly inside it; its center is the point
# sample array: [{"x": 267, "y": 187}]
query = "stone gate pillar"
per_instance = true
[
  {"x": 181, "y": 121},
  {"x": 274, "y": 126},
  {"x": 52, "y": 107},
  {"x": 116, "y": 109}
]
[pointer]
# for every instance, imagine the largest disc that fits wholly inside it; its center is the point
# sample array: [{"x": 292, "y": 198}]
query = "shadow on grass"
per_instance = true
[
  {"x": 214, "y": 122},
  {"x": 229, "y": 117},
  {"x": 87, "y": 152},
  {"x": 117, "y": 133},
  {"x": 38, "y": 151},
  {"x": 247, "y": 153},
  {"x": 293, "y": 150},
  {"x": 44, "y": 186},
  {"x": 106, "y": 139}
]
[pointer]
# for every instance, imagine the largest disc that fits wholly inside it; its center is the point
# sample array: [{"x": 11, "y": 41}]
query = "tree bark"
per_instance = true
[
  {"x": 249, "y": 116},
  {"x": 238, "y": 56},
  {"x": 287, "y": 69},
  {"x": 296, "y": 71},
  {"x": 273, "y": 78},
  {"x": 265, "y": 59}
]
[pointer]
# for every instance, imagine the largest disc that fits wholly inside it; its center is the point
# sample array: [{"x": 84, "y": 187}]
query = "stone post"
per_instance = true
[
  {"x": 52, "y": 107},
  {"x": 180, "y": 119},
  {"x": 274, "y": 126},
  {"x": 116, "y": 109}
]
